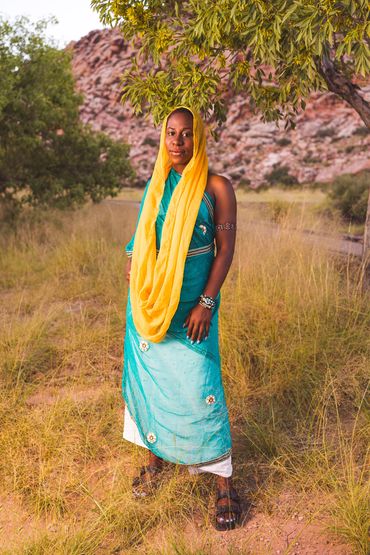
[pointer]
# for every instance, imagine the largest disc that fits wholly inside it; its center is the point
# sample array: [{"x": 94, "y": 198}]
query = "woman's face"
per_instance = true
[{"x": 179, "y": 139}]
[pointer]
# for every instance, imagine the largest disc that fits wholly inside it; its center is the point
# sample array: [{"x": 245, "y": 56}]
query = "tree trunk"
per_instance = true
[
  {"x": 366, "y": 247},
  {"x": 339, "y": 84}
]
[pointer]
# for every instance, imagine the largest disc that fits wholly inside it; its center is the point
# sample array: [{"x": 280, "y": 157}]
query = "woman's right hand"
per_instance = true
[{"x": 128, "y": 270}]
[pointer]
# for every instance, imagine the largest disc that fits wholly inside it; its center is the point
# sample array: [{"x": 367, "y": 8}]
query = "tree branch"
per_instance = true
[{"x": 339, "y": 84}]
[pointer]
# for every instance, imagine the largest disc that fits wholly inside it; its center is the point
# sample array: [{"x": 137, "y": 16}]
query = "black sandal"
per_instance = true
[
  {"x": 142, "y": 485},
  {"x": 233, "y": 508}
]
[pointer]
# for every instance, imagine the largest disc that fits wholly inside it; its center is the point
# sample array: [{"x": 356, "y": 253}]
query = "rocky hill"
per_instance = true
[{"x": 330, "y": 138}]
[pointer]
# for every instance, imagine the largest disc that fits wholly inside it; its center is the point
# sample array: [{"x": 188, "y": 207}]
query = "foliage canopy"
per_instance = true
[
  {"x": 276, "y": 52},
  {"x": 47, "y": 157}
]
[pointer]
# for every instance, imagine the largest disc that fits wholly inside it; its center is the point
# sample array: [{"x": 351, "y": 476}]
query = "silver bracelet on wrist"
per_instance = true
[{"x": 207, "y": 302}]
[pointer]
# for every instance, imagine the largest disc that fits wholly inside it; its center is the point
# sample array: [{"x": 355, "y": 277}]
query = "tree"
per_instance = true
[
  {"x": 275, "y": 52},
  {"x": 47, "y": 157}
]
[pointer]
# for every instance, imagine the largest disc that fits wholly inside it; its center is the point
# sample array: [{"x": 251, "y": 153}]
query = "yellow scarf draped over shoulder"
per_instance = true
[{"x": 155, "y": 281}]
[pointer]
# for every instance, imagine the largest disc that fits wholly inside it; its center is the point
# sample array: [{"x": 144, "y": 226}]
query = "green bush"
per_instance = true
[
  {"x": 349, "y": 194},
  {"x": 244, "y": 183},
  {"x": 325, "y": 132},
  {"x": 284, "y": 141},
  {"x": 150, "y": 142},
  {"x": 47, "y": 156},
  {"x": 279, "y": 210},
  {"x": 310, "y": 159},
  {"x": 362, "y": 131},
  {"x": 280, "y": 175}
]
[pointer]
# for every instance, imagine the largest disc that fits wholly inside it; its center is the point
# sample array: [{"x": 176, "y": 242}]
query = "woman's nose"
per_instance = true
[{"x": 178, "y": 140}]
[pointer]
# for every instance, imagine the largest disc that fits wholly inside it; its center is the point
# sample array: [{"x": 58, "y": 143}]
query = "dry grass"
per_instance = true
[{"x": 294, "y": 333}]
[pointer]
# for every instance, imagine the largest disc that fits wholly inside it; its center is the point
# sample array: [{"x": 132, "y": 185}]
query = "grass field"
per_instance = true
[
  {"x": 295, "y": 345},
  {"x": 304, "y": 206}
]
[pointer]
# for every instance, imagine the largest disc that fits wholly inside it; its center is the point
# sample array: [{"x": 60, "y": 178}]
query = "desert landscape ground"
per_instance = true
[
  {"x": 295, "y": 345},
  {"x": 295, "y": 307}
]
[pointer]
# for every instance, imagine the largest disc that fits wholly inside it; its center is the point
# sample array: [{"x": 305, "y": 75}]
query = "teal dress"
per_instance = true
[{"x": 173, "y": 389}]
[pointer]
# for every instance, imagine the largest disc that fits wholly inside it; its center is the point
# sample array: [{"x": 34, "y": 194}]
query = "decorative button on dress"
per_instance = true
[{"x": 173, "y": 389}]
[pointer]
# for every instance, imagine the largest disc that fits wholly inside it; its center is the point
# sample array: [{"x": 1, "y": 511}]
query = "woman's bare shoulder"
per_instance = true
[{"x": 219, "y": 185}]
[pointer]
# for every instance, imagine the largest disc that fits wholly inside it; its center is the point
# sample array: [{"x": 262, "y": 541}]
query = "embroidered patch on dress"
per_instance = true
[
  {"x": 210, "y": 400},
  {"x": 151, "y": 437},
  {"x": 203, "y": 228},
  {"x": 144, "y": 346}
]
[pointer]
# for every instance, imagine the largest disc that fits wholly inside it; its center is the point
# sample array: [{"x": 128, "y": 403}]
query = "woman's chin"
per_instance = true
[{"x": 179, "y": 160}]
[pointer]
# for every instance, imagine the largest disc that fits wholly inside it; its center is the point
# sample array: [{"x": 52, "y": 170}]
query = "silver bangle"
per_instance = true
[{"x": 207, "y": 301}]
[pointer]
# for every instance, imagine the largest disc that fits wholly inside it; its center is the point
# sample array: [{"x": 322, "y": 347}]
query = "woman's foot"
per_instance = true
[
  {"x": 228, "y": 508},
  {"x": 148, "y": 480}
]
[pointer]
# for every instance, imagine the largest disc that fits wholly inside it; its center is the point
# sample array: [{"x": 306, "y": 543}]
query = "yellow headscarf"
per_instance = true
[{"x": 155, "y": 282}]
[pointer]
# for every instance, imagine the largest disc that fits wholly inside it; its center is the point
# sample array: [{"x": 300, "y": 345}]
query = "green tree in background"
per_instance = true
[
  {"x": 275, "y": 52},
  {"x": 47, "y": 156}
]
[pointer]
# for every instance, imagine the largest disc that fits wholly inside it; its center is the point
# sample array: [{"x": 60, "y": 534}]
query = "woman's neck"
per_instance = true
[{"x": 179, "y": 168}]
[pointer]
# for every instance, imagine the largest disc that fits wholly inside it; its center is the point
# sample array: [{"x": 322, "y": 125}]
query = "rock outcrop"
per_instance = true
[{"x": 329, "y": 139}]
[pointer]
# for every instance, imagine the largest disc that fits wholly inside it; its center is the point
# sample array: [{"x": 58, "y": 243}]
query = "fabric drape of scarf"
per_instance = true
[{"x": 155, "y": 281}]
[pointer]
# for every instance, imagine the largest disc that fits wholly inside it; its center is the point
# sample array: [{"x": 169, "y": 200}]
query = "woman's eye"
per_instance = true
[{"x": 187, "y": 134}]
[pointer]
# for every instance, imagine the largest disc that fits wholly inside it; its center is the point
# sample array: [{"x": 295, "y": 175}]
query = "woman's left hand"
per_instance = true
[{"x": 198, "y": 322}]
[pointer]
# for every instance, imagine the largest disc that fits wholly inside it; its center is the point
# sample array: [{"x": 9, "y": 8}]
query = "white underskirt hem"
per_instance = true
[{"x": 220, "y": 468}]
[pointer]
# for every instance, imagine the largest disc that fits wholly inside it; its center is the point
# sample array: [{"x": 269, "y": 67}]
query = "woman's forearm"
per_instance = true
[{"x": 218, "y": 273}]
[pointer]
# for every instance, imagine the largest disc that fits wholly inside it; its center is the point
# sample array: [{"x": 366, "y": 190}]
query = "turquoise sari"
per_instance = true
[{"x": 173, "y": 389}]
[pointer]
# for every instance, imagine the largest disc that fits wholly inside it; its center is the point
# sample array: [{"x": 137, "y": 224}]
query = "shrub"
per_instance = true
[
  {"x": 150, "y": 142},
  {"x": 309, "y": 159},
  {"x": 280, "y": 175},
  {"x": 362, "y": 131},
  {"x": 279, "y": 210},
  {"x": 284, "y": 141},
  {"x": 244, "y": 183},
  {"x": 325, "y": 132},
  {"x": 349, "y": 194}
]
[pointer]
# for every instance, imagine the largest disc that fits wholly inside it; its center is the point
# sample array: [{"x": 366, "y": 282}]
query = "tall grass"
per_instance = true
[{"x": 295, "y": 342}]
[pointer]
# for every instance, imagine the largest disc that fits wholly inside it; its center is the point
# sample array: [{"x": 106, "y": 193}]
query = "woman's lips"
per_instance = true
[{"x": 177, "y": 152}]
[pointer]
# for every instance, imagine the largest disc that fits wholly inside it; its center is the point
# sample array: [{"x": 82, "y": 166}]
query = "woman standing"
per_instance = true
[{"x": 172, "y": 386}]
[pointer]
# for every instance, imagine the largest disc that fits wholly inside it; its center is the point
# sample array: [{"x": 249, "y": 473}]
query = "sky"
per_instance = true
[{"x": 75, "y": 17}]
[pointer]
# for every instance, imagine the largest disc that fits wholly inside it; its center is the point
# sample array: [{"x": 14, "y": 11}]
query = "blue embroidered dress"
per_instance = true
[{"x": 173, "y": 389}]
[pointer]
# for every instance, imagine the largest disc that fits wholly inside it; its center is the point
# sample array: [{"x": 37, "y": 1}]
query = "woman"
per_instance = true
[{"x": 172, "y": 384}]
